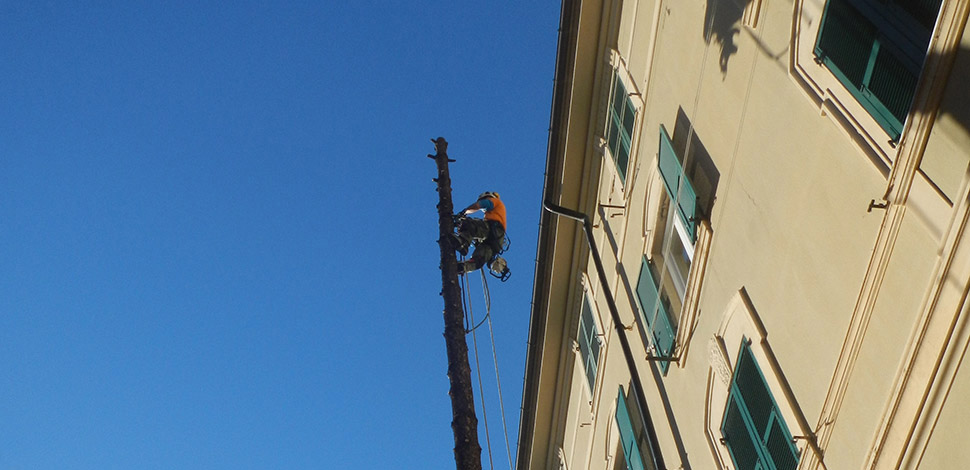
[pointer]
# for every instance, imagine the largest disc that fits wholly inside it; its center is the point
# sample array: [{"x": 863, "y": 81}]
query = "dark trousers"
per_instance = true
[{"x": 488, "y": 236}]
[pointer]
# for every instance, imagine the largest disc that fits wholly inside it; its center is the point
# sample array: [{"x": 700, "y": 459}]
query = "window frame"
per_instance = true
[
  {"x": 617, "y": 134},
  {"x": 760, "y": 441},
  {"x": 619, "y": 74},
  {"x": 835, "y": 100},
  {"x": 903, "y": 39},
  {"x": 741, "y": 326},
  {"x": 584, "y": 342},
  {"x": 665, "y": 225}
]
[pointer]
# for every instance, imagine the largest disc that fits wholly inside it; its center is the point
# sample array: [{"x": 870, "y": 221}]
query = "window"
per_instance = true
[
  {"x": 680, "y": 231},
  {"x": 632, "y": 437},
  {"x": 677, "y": 259},
  {"x": 619, "y": 126},
  {"x": 753, "y": 428},
  {"x": 662, "y": 290},
  {"x": 678, "y": 244},
  {"x": 655, "y": 312},
  {"x": 751, "y": 411},
  {"x": 876, "y": 49},
  {"x": 589, "y": 344}
]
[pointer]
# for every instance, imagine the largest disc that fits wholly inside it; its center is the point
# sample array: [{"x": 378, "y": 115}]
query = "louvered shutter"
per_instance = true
[
  {"x": 628, "y": 437},
  {"x": 589, "y": 346},
  {"x": 753, "y": 427},
  {"x": 845, "y": 42},
  {"x": 679, "y": 188},
  {"x": 619, "y": 135},
  {"x": 892, "y": 84},
  {"x": 754, "y": 391},
  {"x": 782, "y": 452},
  {"x": 654, "y": 311},
  {"x": 738, "y": 437},
  {"x": 876, "y": 49}
]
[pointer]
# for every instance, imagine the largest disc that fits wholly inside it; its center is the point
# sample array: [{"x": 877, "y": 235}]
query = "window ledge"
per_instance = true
[
  {"x": 828, "y": 93},
  {"x": 834, "y": 100}
]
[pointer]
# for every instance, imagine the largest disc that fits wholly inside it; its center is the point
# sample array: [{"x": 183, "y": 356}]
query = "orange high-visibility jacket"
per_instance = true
[{"x": 494, "y": 209}]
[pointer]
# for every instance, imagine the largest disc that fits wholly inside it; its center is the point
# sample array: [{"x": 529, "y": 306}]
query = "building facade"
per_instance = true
[{"x": 777, "y": 194}]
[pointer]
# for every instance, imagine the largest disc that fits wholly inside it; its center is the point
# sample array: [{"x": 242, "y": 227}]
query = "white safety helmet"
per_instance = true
[{"x": 488, "y": 194}]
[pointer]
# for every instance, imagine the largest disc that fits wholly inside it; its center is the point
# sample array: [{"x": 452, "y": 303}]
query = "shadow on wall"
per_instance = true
[
  {"x": 947, "y": 161},
  {"x": 955, "y": 103},
  {"x": 721, "y": 24},
  {"x": 699, "y": 166}
]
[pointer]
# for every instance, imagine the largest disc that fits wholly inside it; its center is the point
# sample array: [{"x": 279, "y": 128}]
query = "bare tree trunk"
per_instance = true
[{"x": 468, "y": 453}]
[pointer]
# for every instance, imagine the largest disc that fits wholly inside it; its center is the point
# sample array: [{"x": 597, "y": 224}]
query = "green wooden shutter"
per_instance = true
[
  {"x": 653, "y": 309},
  {"x": 589, "y": 346},
  {"x": 754, "y": 391},
  {"x": 613, "y": 137},
  {"x": 664, "y": 334},
  {"x": 594, "y": 356},
  {"x": 679, "y": 188},
  {"x": 783, "y": 453},
  {"x": 619, "y": 136},
  {"x": 647, "y": 294},
  {"x": 845, "y": 42},
  {"x": 753, "y": 427},
  {"x": 738, "y": 438},
  {"x": 892, "y": 84},
  {"x": 876, "y": 48},
  {"x": 628, "y": 437}
]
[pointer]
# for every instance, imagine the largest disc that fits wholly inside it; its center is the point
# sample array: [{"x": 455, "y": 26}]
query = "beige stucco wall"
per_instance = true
[
  {"x": 790, "y": 226},
  {"x": 894, "y": 316},
  {"x": 947, "y": 448},
  {"x": 789, "y": 182}
]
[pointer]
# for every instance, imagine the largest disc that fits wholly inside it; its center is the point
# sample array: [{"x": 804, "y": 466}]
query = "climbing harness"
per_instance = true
[{"x": 498, "y": 267}]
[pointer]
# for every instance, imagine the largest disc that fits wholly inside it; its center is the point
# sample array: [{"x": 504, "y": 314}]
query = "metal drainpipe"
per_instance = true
[{"x": 636, "y": 387}]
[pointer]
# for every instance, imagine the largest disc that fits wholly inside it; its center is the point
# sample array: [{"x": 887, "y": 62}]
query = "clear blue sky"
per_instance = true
[{"x": 218, "y": 226}]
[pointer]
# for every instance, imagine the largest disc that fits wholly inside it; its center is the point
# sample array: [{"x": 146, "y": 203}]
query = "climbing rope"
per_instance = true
[
  {"x": 498, "y": 382},
  {"x": 465, "y": 294},
  {"x": 469, "y": 320}
]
